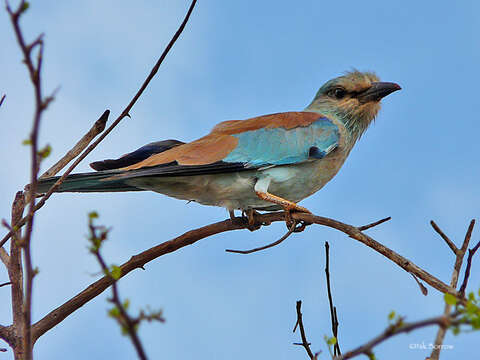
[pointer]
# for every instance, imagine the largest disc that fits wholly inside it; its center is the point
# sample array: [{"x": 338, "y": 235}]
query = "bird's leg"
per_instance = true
[{"x": 261, "y": 187}]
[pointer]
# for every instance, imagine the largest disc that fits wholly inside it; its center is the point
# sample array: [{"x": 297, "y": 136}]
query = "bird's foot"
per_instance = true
[
  {"x": 299, "y": 225},
  {"x": 249, "y": 216}
]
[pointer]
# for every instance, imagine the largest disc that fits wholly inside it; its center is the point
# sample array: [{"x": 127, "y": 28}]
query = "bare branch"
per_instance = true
[
  {"x": 2, "y": 99},
  {"x": 447, "y": 240},
  {"x": 333, "y": 309},
  {"x": 128, "y": 324},
  {"x": 400, "y": 328},
  {"x": 289, "y": 232},
  {"x": 6, "y": 283},
  {"x": 96, "y": 129},
  {"x": 471, "y": 252},
  {"x": 459, "y": 256},
  {"x": 190, "y": 237},
  {"x": 299, "y": 323},
  {"x": 368, "y": 226}
]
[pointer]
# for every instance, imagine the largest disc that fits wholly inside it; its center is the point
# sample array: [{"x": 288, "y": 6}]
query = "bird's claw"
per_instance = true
[
  {"x": 249, "y": 216},
  {"x": 298, "y": 225}
]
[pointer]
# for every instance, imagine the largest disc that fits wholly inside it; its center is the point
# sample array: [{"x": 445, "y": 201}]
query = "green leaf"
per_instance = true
[
  {"x": 450, "y": 299},
  {"x": 93, "y": 215},
  {"x": 391, "y": 315},
  {"x": 456, "y": 330},
  {"x": 114, "y": 312},
  {"x": 27, "y": 142},
  {"x": 25, "y": 6},
  {"x": 126, "y": 304},
  {"x": 332, "y": 340},
  {"x": 45, "y": 152},
  {"x": 116, "y": 272}
]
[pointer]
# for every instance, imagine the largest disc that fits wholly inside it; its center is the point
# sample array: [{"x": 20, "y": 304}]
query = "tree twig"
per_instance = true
[
  {"x": 447, "y": 240},
  {"x": 128, "y": 324},
  {"x": 471, "y": 252},
  {"x": 2, "y": 99},
  {"x": 299, "y": 324},
  {"x": 459, "y": 256},
  {"x": 368, "y": 226},
  {"x": 400, "y": 328},
  {"x": 96, "y": 129},
  {"x": 333, "y": 309},
  {"x": 284, "y": 237}
]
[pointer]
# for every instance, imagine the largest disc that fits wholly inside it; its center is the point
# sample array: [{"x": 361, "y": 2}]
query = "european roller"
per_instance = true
[{"x": 268, "y": 162}]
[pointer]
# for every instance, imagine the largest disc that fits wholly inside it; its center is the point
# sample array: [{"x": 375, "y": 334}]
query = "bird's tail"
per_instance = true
[{"x": 86, "y": 182}]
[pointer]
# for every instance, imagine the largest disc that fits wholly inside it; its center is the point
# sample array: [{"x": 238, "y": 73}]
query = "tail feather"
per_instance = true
[{"x": 86, "y": 182}]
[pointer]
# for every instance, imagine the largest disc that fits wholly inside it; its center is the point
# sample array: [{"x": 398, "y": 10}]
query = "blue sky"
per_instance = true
[{"x": 418, "y": 162}]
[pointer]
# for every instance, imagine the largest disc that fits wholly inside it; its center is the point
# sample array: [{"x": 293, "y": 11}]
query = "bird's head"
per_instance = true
[{"x": 353, "y": 98}]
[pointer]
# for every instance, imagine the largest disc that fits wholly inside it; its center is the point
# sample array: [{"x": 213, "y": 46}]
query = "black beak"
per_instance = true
[{"x": 377, "y": 91}]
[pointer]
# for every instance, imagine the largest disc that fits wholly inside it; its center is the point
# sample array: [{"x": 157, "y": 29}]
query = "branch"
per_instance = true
[
  {"x": 459, "y": 255},
  {"x": 2, "y": 99},
  {"x": 368, "y": 226},
  {"x": 447, "y": 240},
  {"x": 399, "y": 328},
  {"x": 471, "y": 252},
  {"x": 333, "y": 309},
  {"x": 190, "y": 237},
  {"x": 96, "y": 129},
  {"x": 275, "y": 243},
  {"x": 123, "y": 114},
  {"x": 98, "y": 234},
  {"x": 34, "y": 69},
  {"x": 299, "y": 323}
]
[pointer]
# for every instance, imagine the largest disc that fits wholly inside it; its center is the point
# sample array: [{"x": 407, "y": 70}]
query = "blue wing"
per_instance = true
[{"x": 279, "y": 146}]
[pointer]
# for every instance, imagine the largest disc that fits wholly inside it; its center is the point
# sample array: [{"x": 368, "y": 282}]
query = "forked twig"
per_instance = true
[{"x": 299, "y": 324}]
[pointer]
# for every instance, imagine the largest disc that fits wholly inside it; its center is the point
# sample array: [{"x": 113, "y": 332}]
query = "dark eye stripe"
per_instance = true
[{"x": 337, "y": 93}]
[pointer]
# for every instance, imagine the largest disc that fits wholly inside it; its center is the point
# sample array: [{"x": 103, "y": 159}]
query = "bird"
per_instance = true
[{"x": 265, "y": 163}]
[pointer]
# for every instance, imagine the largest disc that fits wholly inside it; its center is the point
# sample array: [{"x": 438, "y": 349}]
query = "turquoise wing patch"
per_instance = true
[{"x": 279, "y": 146}]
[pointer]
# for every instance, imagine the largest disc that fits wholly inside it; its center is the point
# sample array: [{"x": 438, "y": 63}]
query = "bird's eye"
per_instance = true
[{"x": 337, "y": 93}]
